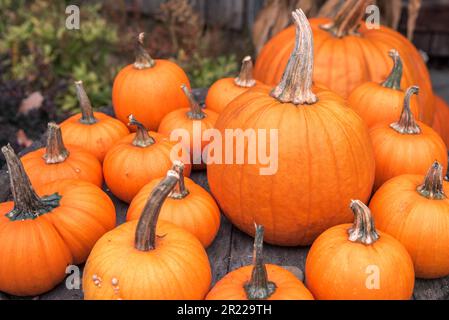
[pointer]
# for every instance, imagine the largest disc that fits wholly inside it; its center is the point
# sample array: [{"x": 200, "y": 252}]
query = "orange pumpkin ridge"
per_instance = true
[
  {"x": 342, "y": 259},
  {"x": 148, "y": 248},
  {"x": 95, "y": 132},
  {"x": 57, "y": 161},
  {"x": 260, "y": 281}
]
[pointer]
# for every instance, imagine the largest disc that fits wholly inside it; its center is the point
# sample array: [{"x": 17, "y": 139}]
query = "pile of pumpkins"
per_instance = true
[{"x": 354, "y": 110}]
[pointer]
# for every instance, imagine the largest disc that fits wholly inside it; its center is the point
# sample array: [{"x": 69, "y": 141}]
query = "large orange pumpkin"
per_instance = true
[
  {"x": 348, "y": 53},
  {"x": 417, "y": 214},
  {"x": 441, "y": 121},
  {"x": 406, "y": 146},
  {"x": 356, "y": 262},
  {"x": 149, "y": 89},
  {"x": 259, "y": 281},
  {"x": 188, "y": 206},
  {"x": 321, "y": 155},
  {"x": 137, "y": 159},
  {"x": 57, "y": 161},
  {"x": 42, "y": 235},
  {"x": 225, "y": 90},
  {"x": 192, "y": 121},
  {"x": 94, "y": 131},
  {"x": 382, "y": 102},
  {"x": 147, "y": 259}
]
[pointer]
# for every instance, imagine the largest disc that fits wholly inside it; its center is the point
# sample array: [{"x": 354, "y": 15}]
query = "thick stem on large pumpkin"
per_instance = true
[
  {"x": 407, "y": 123},
  {"x": 196, "y": 112},
  {"x": 432, "y": 188},
  {"x": 145, "y": 239},
  {"x": 393, "y": 81},
  {"x": 363, "y": 229},
  {"x": 245, "y": 78},
  {"x": 56, "y": 152},
  {"x": 143, "y": 58},
  {"x": 142, "y": 138},
  {"x": 27, "y": 204},
  {"x": 258, "y": 287},
  {"x": 87, "y": 114},
  {"x": 296, "y": 83},
  {"x": 347, "y": 20},
  {"x": 179, "y": 191}
]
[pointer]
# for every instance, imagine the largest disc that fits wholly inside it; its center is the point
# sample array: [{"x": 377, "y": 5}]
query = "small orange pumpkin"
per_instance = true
[
  {"x": 441, "y": 121},
  {"x": 45, "y": 233},
  {"x": 194, "y": 121},
  {"x": 225, "y": 90},
  {"x": 149, "y": 89},
  {"x": 137, "y": 159},
  {"x": 417, "y": 214},
  {"x": 188, "y": 206},
  {"x": 407, "y": 146},
  {"x": 94, "y": 131},
  {"x": 356, "y": 262},
  {"x": 382, "y": 103},
  {"x": 260, "y": 281},
  {"x": 57, "y": 161},
  {"x": 147, "y": 259}
]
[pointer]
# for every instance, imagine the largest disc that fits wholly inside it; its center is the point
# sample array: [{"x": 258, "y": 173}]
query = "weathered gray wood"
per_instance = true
[{"x": 437, "y": 289}]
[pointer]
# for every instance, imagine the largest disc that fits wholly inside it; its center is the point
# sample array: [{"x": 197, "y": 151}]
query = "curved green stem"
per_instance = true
[{"x": 393, "y": 81}]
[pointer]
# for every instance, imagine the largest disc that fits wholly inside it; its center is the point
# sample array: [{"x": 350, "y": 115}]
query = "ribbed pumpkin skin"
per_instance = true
[
  {"x": 197, "y": 212},
  {"x": 80, "y": 164},
  {"x": 288, "y": 287},
  {"x": 398, "y": 154},
  {"x": 342, "y": 64},
  {"x": 96, "y": 138},
  {"x": 128, "y": 168},
  {"x": 177, "y": 269},
  {"x": 149, "y": 94},
  {"x": 325, "y": 159},
  {"x": 418, "y": 223},
  {"x": 336, "y": 268},
  {"x": 376, "y": 104},
  {"x": 35, "y": 253},
  {"x": 441, "y": 121}
]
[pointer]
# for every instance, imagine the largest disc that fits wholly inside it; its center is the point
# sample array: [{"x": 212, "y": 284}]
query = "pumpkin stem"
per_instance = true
[
  {"x": 258, "y": 287},
  {"x": 432, "y": 188},
  {"x": 245, "y": 78},
  {"x": 363, "y": 229},
  {"x": 87, "y": 114},
  {"x": 347, "y": 20},
  {"x": 393, "y": 81},
  {"x": 196, "y": 112},
  {"x": 179, "y": 191},
  {"x": 27, "y": 204},
  {"x": 145, "y": 239},
  {"x": 296, "y": 83},
  {"x": 143, "y": 58},
  {"x": 142, "y": 138},
  {"x": 56, "y": 152},
  {"x": 407, "y": 123}
]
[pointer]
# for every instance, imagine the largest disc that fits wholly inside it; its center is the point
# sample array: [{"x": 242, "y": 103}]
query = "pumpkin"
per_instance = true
[
  {"x": 260, "y": 281},
  {"x": 348, "y": 53},
  {"x": 406, "y": 146},
  {"x": 441, "y": 121},
  {"x": 417, "y": 214},
  {"x": 225, "y": 90},
  {"x": 94, "y": 131},
  {"x": 321, "y": 155},
  {"x": 149, "y": 88},
  {"x": 188, "y": 206},
  {"x": 44, "y": 232},
  {"x": 57, "y": 161},
  {"x": 382, "y": 102},
  {"x": 357, "y": 262},
  {"x": 147, "y": 259},
  {"x": 189, "y": 125},
  {"x": 137, "y": 159}
]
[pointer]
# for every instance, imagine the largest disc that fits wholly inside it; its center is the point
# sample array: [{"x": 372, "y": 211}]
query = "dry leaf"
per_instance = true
[
  {"x": 22, "y": 139},
  {"x": 413, "y": 11},
  {"x": 33, "y": 101},
  {"x": 330, "y": 8}
]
